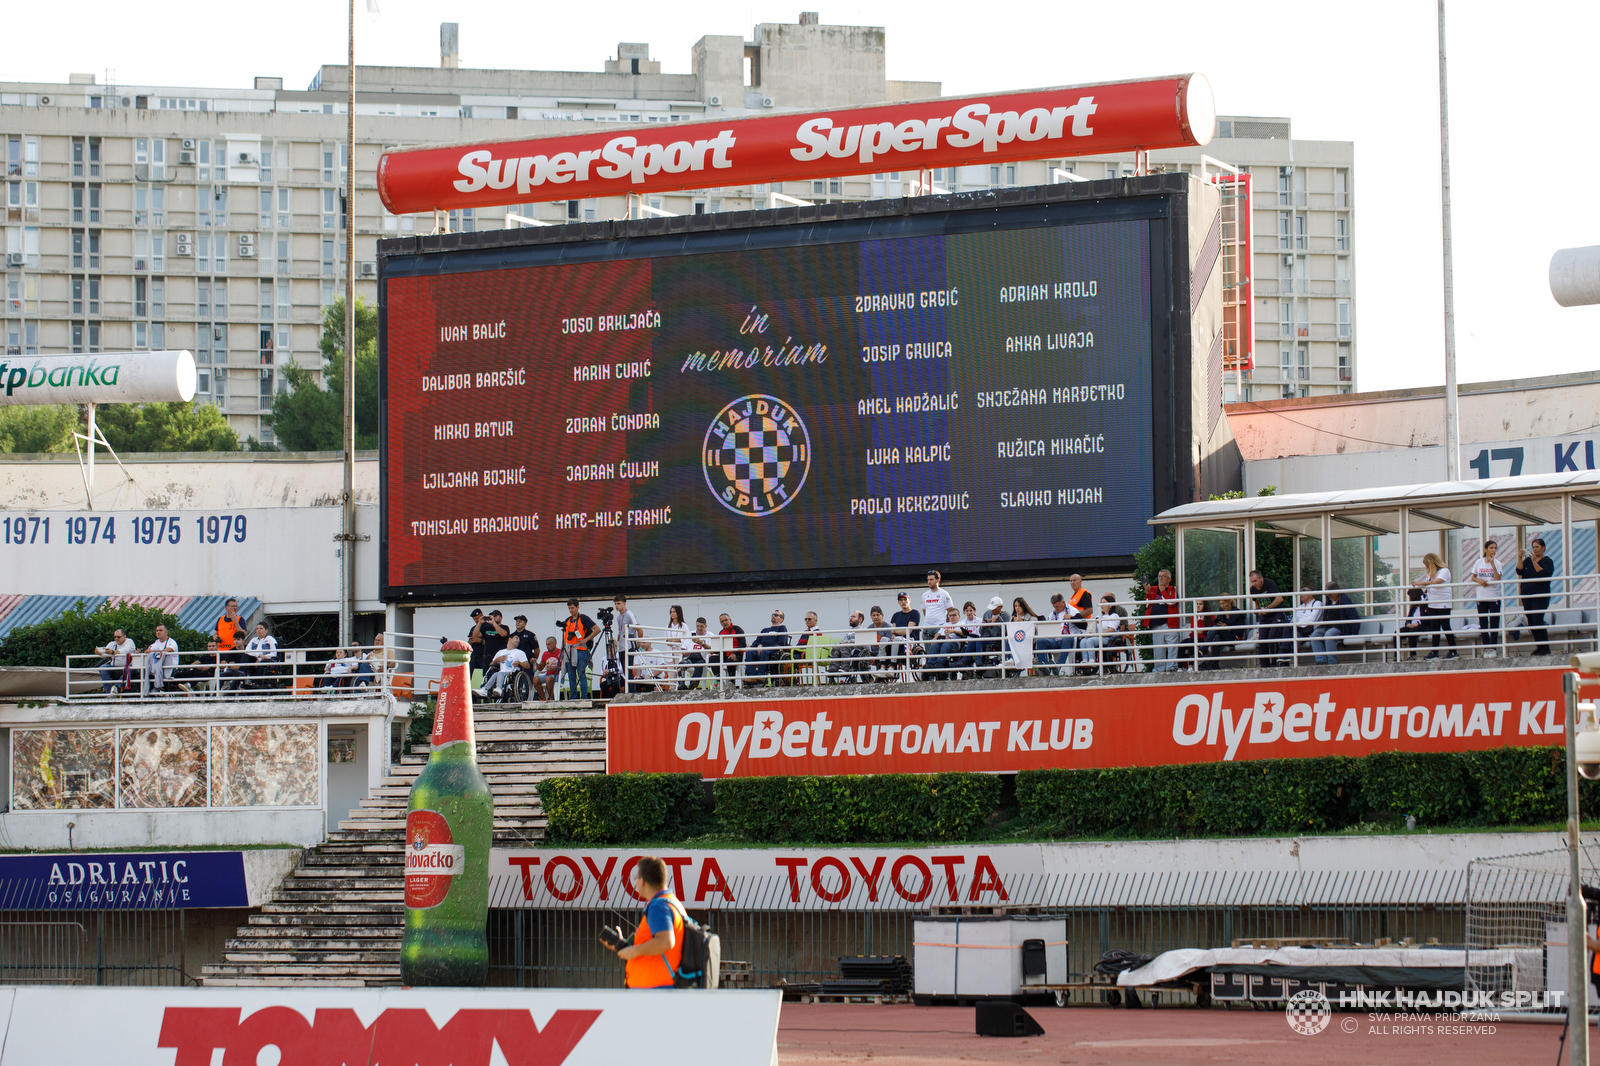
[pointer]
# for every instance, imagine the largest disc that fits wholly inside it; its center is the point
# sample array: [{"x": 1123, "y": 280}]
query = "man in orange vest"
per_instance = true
[{"x": 657, "y": 946}]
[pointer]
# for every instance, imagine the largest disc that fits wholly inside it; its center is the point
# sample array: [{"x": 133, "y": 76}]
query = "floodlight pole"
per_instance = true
[
  {"x": 1577, "y": 923},
  {"x": 1452, "y": 429},
  {"x": 347, "y": 536}
]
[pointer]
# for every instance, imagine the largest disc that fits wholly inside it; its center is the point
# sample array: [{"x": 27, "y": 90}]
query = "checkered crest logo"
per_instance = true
[
  {"x": 1308, "y": 1012},
  {"x": 756, "y": 456}
]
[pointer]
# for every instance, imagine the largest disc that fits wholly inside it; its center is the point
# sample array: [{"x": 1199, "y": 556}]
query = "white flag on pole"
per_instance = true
[
  {"x": 372, "y": 8},
  {"x": 1020, "y": 639}
]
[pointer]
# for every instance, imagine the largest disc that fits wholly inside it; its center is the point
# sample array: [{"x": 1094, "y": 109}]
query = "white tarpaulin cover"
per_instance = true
[{"x": 1173, "y": 964}]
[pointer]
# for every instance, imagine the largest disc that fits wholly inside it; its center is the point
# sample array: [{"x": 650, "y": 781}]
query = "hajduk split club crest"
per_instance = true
[{"x": 757, "y": 454}]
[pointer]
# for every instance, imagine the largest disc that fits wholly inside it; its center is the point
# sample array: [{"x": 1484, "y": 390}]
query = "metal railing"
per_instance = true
[{"x": 132, "y": 947}]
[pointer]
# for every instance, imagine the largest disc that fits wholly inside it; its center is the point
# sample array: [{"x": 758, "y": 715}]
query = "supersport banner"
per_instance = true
[
  {"x": 1171, "y": 112},
  {"x": 1089, "y": 726},
  {"x": 380, "y": 1026}
]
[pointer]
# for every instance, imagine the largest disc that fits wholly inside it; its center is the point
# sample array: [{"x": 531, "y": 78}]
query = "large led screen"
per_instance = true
[{"x": 967, "y": 393}]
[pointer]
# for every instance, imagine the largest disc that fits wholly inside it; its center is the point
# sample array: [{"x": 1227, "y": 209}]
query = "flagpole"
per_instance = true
[{"x": 347, "y": 571}]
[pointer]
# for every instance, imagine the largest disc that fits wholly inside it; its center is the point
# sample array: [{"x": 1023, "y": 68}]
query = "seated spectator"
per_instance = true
[
  {"x": 769, "y": 647},
  {"x": 1339, "y": 619},
  {"x": 235, "y": 663},
  {"x": 725, "y": 663},
  {"x": 848, "y": 652},
  {"x": 229, "y": 624},
  {"x": 699, "y": 643},
  {"x": 995, "y": 621},
  {"x": 202, "y": 669},
  {"x": 527, "y": 639},
  {"x": 905, "y": 621},
  {"x": 1108, "y": 630},
  {"x": 263, "y": 652},
  {"x": 950, "y": 651},
  {"x": 878, "y": 638},
  {"x": 377, "y": 662},
  {"x": 548, "y": 675},
  {"x": 1052, "y": 636},
  {"x": 160, "y": 659},
  {"x": 1307, "y": 616},
  {"x": 649, "y": 666},
  {"x": 809, "y": 634},
  {"x": 507, "y": 663},
  {"x": 117, "y": 672},
  {"x": 1416, "y": 620},
  {"x": 1228, "y": 627},
  {"x": 339, "y": 670}
]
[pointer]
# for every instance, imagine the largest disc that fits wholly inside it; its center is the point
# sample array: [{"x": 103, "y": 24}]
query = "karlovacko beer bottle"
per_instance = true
[{"x": 449, "y": 831}]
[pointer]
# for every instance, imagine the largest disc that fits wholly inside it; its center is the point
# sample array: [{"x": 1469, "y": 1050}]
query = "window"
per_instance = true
[
  {"x": 327, "y": 294},
  {"x": 94, "y": 172},
  {"x": 1344, "y": 362},
  {"x": 141, "y": 205},
  {"x": 14, "y": 156},
  {"x": 77, "y": 203},
  {"x": 1342, "y": 275},
  {"x": 266, "y": 346},
  {"x": 266, "y": 390},
  {"x": 1344, "y": 318},
  {"x": 94, "y": 203},
  {"x": 266, "y": 298},
  {"x": 1286, "y": 356},
  {"x": 327, "y": 166},
  {"x": 202, "y": 155},
  {"x": 1285, "y": 317},
  {"x": 1300, "y": 231},
  {"x": 78, "y": 148},
  {"x": 30, "y": 338},
  {"x": 202, "y": 384},
  {"x": 266, "y": 208},
  {"x": 1341, "y": 234},
  {"x": 283, "y": 299},
  {"x": 1285, "y": 179},
  {"x": 94, "y": 249},
  {"x": 1341, "y": 188},
  {"x": 1283, "y": 229},
  {"x": 327, "y": 255},
  {"x": 77, "y": 249},
  {"x": 219, "y": 388},
  {"x": 158, "y": 336},
  {"x": 283, "y": 255},
  {"x": 141, "y": 335},
  {"x": 202, "y": 298},
  {"x": 141, "y": 297},
  {"x": 1303, "y": 362},
  {"x": 30, "y": 157},
  {"x": 94, "y": 309},
  {"x": 158, "y": 206},
  {"x": 462, "y": 221},
  {"x": 219, "y": 340},
  {"x": 283, "y": 208},
  {"x": 94, "y": 336},
  {"x": 157, "y": 246},
  {"x": 329, "y": 204},
  {"x": 77, "y": 296},
  {"x": 77, "y": 337},
  {"x": 158, "y": 298},
  {"x": 219, "y": 205}
]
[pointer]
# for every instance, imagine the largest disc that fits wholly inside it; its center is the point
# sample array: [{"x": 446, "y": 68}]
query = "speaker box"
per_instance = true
[{"x": 1006, "y": 1019}]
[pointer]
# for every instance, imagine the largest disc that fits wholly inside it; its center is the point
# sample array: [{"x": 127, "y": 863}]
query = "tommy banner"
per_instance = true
[
  {"x": 1171, "y": 112},
  {"x": 1087, "y": 727},
  {"x": 379, "y": 1027}
]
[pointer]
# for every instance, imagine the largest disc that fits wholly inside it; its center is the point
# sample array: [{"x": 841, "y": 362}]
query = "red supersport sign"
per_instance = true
[
  {"x": 1171, "y": 112},
  {"x": 336, "y": 1037}
]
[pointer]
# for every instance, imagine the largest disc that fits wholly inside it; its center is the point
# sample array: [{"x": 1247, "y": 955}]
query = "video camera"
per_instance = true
[{"x": 606, "y": 615}]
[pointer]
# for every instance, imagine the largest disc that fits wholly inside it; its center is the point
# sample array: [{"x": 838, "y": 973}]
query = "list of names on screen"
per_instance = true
[{"x": 852, "y": 405}]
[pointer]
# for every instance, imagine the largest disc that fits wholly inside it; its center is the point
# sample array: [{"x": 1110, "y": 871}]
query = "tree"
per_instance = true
[
  {"x": 41, "y": 428},
  {"x": 309, "y": 418},
  {"x": 79, "y": 631},
  {"x": 166, "y": 427}
]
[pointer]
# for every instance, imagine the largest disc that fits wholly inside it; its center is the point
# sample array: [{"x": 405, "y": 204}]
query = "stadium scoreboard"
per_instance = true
[{"x": 981, "y": 391}]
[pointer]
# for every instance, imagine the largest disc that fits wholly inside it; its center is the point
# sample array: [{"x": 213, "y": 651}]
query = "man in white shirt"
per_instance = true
[
  {"x": 1306, "y": 617},
  {"x": 263, "y": 652},
  {"x": 627, "y": 633},
  {"x": 1485, "y": 575},
  {"x": 507, "y": 663},
  {"x": 116, "y": 673},
  {"x": 162, "y": 657},
  {"x": 936, "y": 602},
  {"x": 1055, "y": 637},
  {"x": 650, "y": 668}
]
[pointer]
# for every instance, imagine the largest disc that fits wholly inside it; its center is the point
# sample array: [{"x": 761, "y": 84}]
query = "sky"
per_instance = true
[{"x": 1358, "y": 71}]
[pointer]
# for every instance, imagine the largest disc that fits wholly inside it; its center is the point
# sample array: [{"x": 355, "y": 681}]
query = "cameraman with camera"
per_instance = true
[
  {"x": 578, "y": 633},
  {"x": 656, "y": 953}
]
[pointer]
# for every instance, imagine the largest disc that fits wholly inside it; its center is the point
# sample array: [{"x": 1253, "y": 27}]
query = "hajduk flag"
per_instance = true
[{"x": 1020, "y": 639}]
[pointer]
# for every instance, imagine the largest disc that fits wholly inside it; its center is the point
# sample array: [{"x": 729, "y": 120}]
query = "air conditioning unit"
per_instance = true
[
  {"x": 44, "y": 100},
  {"x": 181, "y": 244},
  {"x": 247, "y": 157},
  {"x": 714, "y": 101},
  {"x": 13, "y": 259},
  {"x": 369, "y": 269},
  {"x": 767, "y": 101},
  {"x": 247, "y": 240},
  {"x": 188, "y": 144},
  {"x": 1288, "y": 260},
  {"x": 186, "y": 159},
  {"x": 247, "y": 252}
]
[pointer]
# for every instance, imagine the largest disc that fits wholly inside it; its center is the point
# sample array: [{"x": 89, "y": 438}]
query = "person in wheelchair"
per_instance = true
[{"x": 509, "y": 664}]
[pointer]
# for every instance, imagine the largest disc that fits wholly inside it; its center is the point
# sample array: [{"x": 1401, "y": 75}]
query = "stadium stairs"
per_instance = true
[{"x": 336, "y": 920}]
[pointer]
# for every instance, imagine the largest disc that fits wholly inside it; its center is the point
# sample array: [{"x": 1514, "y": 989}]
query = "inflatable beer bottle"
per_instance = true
[{"x": 449, "y": 831}]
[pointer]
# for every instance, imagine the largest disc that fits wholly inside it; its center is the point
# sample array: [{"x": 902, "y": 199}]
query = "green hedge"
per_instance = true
[
  {"x": 1505, "y": 786},
  {"x": 856, "y": 809},
  {"x": 619, "y": 808}
]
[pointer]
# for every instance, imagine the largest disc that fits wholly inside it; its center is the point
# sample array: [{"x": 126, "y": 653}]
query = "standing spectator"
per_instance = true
[
  {"x": 771, "y": 645},
  {"x": 946, "y": 654},
  {"x": 549, "y": 672},
  {"x": 475, "y": 642},
  {"x": 1486, "y": 574},
  {"x": 1307, "y": 617},
  {"x": 935, "y": 602},
  {"x": 1339, "y": 619},
  {"x": 229, "y": 624},
  {"x": 905, "y": 622},
  {"x": 160, "y": 659},
  {"x": 263, "y": 653},
  {"x": 1164, "y": 618},
  {"x": 578, "y": 633},
  {"x": 507, "y": 664},
  {"x": 1438, "y": 603},
  {"x": 995, "y": 621},
  {"x": 1080, "y": 608},
  {"x": 527, "y": 639},
  {"x": 699, "y": 647},
  {"x": 1536, "y": 570},
  {"x": 731, "y": 654},
  {"x": 627, "y": 634},
  {"x": 116, "y": 674},
  {"x": 495, "y": 635},
  {"x": 677, "y": 639},
  {"x": 1272, "y": 619}
]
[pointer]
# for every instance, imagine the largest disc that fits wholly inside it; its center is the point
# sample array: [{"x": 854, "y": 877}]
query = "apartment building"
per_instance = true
[{"x": 214, "y": 219}]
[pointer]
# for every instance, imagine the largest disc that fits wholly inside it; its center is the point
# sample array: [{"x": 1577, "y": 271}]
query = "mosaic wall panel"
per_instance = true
[
  {"x": 164, "y": 766},
  {"x": 265, "y": 765},
  {"x": 57, "y": 769}
]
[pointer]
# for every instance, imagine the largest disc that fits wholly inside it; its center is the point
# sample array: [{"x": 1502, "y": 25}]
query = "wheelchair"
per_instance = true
[{"x": 518, "y": 690}]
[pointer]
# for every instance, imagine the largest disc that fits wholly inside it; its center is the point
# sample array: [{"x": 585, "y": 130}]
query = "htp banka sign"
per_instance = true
[
  {"x": 1086, "y": 727},
  {"x": 106, "y": 377}
]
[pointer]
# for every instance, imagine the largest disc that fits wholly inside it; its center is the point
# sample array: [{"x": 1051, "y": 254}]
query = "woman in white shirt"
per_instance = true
[
  {"x": 1306, "y": 617},
  {"x": 1104, "y": 632},
  {"x": 677, "y": 644},
  {"x": 1485, "y": 574},
  {"x": 1436, "y": 604}
]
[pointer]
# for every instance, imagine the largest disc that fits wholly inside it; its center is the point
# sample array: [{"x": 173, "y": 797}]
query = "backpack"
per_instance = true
[{"x": 701, "y": 957}]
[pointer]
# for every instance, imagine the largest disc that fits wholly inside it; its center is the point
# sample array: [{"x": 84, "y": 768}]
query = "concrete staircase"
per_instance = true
[{"x": 337, "y": 919}]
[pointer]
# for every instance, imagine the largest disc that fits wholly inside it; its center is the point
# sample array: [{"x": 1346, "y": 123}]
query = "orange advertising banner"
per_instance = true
[{"x": 813, "y": 731}]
